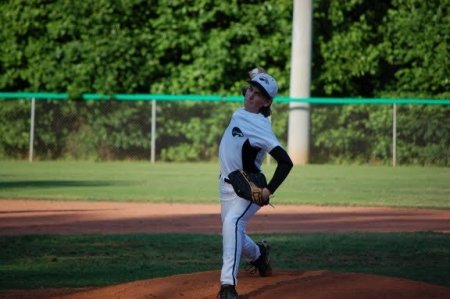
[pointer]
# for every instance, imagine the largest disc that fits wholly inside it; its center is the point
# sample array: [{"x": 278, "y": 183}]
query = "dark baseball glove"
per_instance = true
[{"x": 248, "y": 185}]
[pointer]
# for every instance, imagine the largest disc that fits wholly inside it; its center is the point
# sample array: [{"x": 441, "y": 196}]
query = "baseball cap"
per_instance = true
[{"x": 266, "y": 83}]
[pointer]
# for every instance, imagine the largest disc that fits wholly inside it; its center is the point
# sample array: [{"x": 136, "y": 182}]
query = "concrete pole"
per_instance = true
[{"x": 299, "y": 119}]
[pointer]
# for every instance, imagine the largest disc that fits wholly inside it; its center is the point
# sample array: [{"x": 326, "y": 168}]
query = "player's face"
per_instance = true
[{"x": 255, "y": 99}]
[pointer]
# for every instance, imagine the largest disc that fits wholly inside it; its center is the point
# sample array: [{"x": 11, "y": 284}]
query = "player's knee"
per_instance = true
[
  {"x": 234, "y": 223},
  {"x": 230, "y": 221}
]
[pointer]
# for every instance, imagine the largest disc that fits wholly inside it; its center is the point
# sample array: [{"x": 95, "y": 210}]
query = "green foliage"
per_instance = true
[
  {"x": 346, "y": 40},
  {"x": 416, "y": 47},
  {"x": 14, "y": 128},
  {"x": 195, "y": 132},
  {"x": 352, "y": 134},
  {"x": 361, "y": 48},
  {"x": 381, "y": 49},
  {"x": 76, "y": 46},
  {"x": 424, "y": 135}
]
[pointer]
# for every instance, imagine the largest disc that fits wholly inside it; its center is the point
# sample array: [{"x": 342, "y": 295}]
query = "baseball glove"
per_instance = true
[{"x": 248, "y": 185}]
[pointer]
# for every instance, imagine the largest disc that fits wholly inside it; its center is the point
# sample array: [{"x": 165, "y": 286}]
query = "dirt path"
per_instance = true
[{"x": 55, "y": 217}]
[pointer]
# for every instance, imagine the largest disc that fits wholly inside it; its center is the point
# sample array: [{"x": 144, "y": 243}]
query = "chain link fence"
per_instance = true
[
  {"x": 81, "y": 130},
  {"x": 108, "y": 130},
  {"x": 105, "y": 130}
]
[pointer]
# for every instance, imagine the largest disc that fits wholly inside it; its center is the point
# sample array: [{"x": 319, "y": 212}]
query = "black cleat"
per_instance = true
[
  {"x": 227, "y": 291},
  {"x": 262, "y": 264}
]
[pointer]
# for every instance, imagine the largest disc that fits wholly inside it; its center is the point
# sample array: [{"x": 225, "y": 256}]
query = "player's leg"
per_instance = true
[
  {"x": 249, "y": 248},
  {"x": 261, "y": 261},
  {"x": 235, "y": 214}
]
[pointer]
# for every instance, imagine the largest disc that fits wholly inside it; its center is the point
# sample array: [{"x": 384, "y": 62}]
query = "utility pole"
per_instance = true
[{"x": 299, "y": 118}]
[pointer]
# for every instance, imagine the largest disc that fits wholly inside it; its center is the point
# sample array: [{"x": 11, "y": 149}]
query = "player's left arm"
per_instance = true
[{"x": 284, "y": 166}]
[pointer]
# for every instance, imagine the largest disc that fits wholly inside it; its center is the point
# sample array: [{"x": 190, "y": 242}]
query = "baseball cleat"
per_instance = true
[
  {"x": 227, "y": 291},
  {"x": 262, "y": 264}
]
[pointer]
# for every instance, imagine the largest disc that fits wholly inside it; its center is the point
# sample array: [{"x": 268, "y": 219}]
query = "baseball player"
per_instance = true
[{"x": 245, "y": 142}]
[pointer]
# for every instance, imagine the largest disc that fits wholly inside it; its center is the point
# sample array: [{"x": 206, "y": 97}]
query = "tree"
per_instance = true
[{"x": 361, "y": 48}]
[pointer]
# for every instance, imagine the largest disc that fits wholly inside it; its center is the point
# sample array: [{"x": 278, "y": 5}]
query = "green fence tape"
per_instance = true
[{"x": 218, "y": 98}]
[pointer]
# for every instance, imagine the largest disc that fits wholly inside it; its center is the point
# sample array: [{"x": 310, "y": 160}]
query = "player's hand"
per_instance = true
[{"x": 266, "y": 194}]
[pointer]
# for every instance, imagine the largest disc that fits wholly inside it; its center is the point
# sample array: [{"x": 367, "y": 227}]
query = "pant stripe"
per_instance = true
[{"x": 236, "y": 241}]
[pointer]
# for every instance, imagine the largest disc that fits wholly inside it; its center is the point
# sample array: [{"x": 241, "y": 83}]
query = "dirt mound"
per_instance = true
[{"x": 283, "y": 284}]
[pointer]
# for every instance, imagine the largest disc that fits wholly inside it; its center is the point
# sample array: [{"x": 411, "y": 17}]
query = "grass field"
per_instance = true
[
  {"x": 423, "y": 187},
  {"x": 93, "y": 260}
]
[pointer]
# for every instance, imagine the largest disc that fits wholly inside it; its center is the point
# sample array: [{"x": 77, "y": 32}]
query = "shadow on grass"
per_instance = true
[{"x": 53, "y": 184}]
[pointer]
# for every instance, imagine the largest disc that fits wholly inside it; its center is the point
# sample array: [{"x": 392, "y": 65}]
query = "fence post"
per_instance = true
[
  {"x": 153, "y": 132},
  {"x": 30, "y": 146},
  {"x": 394, "y": 135}
]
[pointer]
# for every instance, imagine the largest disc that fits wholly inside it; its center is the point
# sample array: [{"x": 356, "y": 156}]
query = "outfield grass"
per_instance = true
[
  {"x": 424, "y": 187},
  {"x": 94, "y": 260}
]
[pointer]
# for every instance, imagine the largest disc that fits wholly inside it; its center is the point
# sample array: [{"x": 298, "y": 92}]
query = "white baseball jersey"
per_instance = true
[{"x": 246, "y": 140}]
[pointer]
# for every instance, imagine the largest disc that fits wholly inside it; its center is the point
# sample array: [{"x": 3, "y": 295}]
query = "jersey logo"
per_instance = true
[{"x": 237, "y": 132}]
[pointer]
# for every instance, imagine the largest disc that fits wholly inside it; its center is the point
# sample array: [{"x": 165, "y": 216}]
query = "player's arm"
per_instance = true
[{"x": 284, "y": 166}]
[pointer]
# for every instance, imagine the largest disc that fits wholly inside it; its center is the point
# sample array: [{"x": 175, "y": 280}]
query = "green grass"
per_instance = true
[
  {"x": 423, "y": 187},
  {"x": 28, "y": 262},
  {"x": 94, "y": 260}
]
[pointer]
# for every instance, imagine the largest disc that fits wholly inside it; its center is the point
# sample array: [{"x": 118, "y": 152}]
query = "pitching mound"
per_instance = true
[{"x": 283, "y": 284}]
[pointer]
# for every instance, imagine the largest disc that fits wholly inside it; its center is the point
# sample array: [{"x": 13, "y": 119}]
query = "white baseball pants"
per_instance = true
[{"x": 235, "y": 213}]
